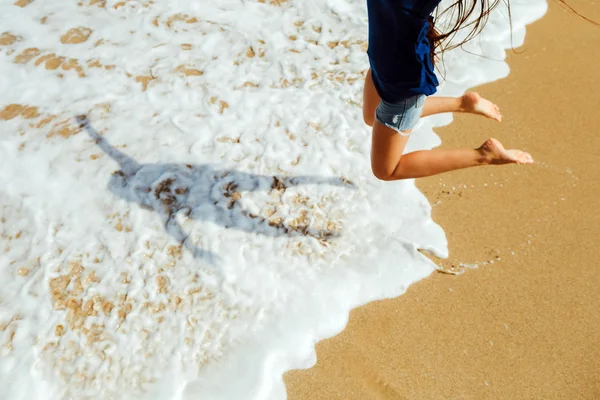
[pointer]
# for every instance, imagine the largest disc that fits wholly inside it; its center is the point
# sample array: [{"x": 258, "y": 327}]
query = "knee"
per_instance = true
[
  {"x": 383, "y": 174},
  {"x": 382, "y": 177}
]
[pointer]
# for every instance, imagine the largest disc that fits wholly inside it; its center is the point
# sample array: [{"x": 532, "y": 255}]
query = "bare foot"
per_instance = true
[
  {"x": 473, "y": 103},
  {"x": 494, "y": 153}
]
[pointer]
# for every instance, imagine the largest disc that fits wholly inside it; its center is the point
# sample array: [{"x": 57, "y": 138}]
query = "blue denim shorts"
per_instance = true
[{"x": 402, "y": 115}]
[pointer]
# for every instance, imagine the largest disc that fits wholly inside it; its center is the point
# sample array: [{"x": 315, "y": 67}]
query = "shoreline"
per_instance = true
[{"x": 523, "y": 326}]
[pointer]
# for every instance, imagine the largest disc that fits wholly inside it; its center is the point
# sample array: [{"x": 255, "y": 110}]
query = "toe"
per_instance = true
[{"x": 525, "y": 158}]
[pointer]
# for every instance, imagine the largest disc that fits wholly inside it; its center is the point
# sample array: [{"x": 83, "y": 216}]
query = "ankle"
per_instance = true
[
  {"x": 463, "y": 104},
  {"x": 483, "y": 157}
]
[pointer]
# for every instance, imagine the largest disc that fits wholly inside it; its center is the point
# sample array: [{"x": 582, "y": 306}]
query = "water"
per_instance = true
[{"x": 187, "y": 204}]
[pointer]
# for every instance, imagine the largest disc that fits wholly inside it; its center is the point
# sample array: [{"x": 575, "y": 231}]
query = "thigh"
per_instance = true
[
  {"x": 370, "y": 100},
  {"x": 387, "y": 146}
]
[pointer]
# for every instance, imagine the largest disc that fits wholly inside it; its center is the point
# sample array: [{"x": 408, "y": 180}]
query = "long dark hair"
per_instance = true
[{"x": 459, "y": 13}]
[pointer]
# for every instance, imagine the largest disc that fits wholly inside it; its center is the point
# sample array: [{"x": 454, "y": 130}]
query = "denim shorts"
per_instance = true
[{"x": 401, "y": 115}]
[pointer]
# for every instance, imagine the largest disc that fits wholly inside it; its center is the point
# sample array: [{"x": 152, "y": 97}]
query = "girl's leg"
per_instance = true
[
  {"x": 371, "y": 100},
  {"x": 469, "y": 103},
  {"x": 387, "y": 160},
  {"x": 389, "y": 164}
]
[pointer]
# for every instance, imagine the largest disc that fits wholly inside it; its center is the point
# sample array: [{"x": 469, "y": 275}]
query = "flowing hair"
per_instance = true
[{"x": 460, "y": 13}]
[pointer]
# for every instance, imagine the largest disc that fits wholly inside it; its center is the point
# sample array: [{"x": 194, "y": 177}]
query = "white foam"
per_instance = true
[{"x": 241, "y": 302}]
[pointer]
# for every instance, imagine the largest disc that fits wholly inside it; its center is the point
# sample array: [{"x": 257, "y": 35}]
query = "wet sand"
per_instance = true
[{"x": 527, "y": 325}]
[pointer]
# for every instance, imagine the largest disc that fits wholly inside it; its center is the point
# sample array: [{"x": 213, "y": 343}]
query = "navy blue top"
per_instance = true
[{"x": 399, "y": 49}]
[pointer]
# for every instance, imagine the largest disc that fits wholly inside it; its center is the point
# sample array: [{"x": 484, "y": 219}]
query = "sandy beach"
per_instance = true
[{"x": 524, "y": 323}]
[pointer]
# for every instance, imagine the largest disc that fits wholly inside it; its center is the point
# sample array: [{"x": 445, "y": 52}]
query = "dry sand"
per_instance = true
[{"x": 528, "y": 325}]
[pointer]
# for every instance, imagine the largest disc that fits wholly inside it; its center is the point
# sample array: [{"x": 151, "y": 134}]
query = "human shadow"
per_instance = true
[{"x": 203, "y": 192}]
